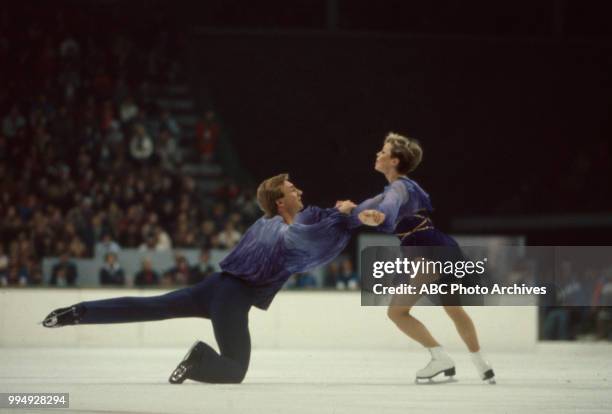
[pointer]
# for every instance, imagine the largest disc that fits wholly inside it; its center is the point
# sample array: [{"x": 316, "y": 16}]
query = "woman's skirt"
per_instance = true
[{"x": 421, "y": 240}]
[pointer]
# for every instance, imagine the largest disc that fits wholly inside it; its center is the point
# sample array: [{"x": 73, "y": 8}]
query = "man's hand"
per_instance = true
[
  {"x": 345, "y": 206},
  {"x": 371, "y": 217}
]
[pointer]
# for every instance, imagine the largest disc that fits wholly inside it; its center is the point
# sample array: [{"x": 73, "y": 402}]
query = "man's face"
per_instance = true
[{"x": 291, "y": 202}]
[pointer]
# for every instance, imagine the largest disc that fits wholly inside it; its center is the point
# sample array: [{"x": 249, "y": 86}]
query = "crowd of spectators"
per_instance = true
[
  {"x": 582, "y": 304},
  {"x": 88, "y": 161},
  {"x": 338, "y": 275},
  {"x": 65, "y": 272}
]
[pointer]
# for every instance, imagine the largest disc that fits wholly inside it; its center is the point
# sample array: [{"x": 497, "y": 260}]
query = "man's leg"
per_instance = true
[
  {"x": 176, "y": 304},
  {"x": 229, "y": 313}
]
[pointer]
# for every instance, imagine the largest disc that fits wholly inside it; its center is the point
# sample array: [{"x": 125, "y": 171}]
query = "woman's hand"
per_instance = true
[
  {"x": 371, "y": 217},
  {"x": 345, "y": 206}
]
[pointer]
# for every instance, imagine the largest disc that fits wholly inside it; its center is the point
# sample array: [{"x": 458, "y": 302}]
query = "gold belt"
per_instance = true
[{"x": 420, "y": 227}]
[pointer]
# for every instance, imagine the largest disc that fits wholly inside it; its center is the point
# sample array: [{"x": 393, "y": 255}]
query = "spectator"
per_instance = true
[
  {"x": 34, "y": 272},
  {"x": 166, "y": 280},
  {"x": 106, "y": 245},
  {"x": 180, "y": 273},
  {"x": 64, "y": 273},
  {"x": 207, "y": 135},
  {"x": 150, "y": 244},
  {"x": 128, "y": 110},
  {"x": 111, "y": 273},
  {"x": 147, "y": 276},
  {"x": 77, "y": 248},
  {"x": 602, "y": 305},
  {"x": 69, "y": 48},
  {"x": 141, "y": 145},
  {"x": 347, "y": 278},
  {"x": 4, "y": 262},
  {"x": 184, "y": 236},
  {"x": 207, "y": 237},
  {"x": 302, "y": 281},
  {"x": 14, "y": 277},
  {"x": 229, "y": 237},
  {"x": 332, "y": 274},
  {"x": 202, "y": 269},
  {"x": 167, "y": 151},
  {"x": 164, "y": 243},
  {"x": 169, "y": 123},
  {"x": 13, "y": 122}
]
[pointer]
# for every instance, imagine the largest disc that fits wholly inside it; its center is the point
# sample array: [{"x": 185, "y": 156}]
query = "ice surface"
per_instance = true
[{"x": 556, "y": 378}]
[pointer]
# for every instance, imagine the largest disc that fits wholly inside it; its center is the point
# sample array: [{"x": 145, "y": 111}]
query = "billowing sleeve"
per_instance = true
[
  {"x": 314, "y": 244},
  {"x": 256, "y": 257},
  {"x": 388, "y": 203},
  {"x": 314, "y": 214}
]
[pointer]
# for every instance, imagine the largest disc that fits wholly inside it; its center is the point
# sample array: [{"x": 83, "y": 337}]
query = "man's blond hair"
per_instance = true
[{"x": 269, "y": 191}]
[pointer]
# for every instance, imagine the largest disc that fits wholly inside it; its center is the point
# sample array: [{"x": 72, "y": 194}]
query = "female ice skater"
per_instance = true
[
  {"x": 283, "y": 242},
  {"x": 403, "y": 209}
]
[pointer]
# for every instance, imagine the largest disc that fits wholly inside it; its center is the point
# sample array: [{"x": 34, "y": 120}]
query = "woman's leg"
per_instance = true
[
  {"x": 399, "y": 312},
  {"x": 464, "y": 326},
  {"x": 467, "y": 331},
  {"x": 411, "y": 326}
]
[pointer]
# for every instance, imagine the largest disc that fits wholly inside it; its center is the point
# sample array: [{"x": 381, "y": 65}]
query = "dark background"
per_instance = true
[
  {"x": 493, "y": 115},
  {"x": 511, "y": 100}
]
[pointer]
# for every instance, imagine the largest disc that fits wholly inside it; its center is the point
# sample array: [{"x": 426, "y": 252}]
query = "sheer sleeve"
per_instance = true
[
  {"x": 314, "y": 214},
  {"x": 316, "y": 239},
  {"x": 389, "y": 203},
  {"x": 370, "y": 203},
  {"x": 395, "y": 196}
]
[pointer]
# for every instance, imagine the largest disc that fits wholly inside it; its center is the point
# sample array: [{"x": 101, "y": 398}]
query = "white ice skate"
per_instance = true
[
  {"x": 483, "y": 367},
  {"x": 440, "y": 363}
]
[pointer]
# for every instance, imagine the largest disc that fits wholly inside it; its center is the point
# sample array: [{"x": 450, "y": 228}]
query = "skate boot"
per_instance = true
[
  {"x": 193, "y": 356},
  {"x": 483, "y": 367},
  {"x": 440, "y": 363},
  {"x": 64, "y": 316}
]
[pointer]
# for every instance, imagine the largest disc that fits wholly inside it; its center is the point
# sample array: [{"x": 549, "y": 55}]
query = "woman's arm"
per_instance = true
[{"x": 382, "y": 210}]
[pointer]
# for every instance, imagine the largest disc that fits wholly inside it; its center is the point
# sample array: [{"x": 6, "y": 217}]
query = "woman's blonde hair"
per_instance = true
[
  {"x": 269, "y": 191},
  {"x": 407, "y": 150}
]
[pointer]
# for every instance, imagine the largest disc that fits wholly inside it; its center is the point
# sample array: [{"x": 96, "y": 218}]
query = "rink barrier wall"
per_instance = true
[{"x": 296, "y": 320}]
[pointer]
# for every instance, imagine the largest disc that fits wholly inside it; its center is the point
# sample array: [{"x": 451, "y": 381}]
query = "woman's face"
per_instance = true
[{"x": 384, "y": 162}]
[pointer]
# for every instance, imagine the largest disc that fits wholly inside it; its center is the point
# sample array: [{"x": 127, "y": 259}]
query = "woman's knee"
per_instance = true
[
  {"x": 455, "y": 312},
  {"x": 396, "y": 313}
]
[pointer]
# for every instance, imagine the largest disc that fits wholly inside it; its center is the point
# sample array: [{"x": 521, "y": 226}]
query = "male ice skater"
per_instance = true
[{"x": 286, "y": 240}]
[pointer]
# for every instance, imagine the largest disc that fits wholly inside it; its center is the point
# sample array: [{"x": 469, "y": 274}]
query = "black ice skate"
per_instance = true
[
  {"x": 182, "y": 370},
  {"x": 64, "y": 317}
]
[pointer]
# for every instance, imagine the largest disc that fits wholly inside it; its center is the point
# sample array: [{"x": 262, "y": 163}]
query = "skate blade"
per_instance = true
[
  {"x": 449, "y": 376},
  {"x": 489, "y": 377},
  {"x": 430, "y": 381},
  {"x": 55, "y": 324},
  {"x": 178, "y": 375}
]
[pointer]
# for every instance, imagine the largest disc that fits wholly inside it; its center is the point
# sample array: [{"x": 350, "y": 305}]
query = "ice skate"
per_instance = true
[
  {"x": 63, "y": 317},
  {"x": 440, "y": 363},
  {"x": 181, "y": 372},
  {"x": 483, "y": 367}
]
